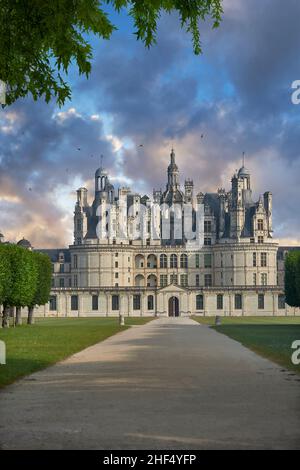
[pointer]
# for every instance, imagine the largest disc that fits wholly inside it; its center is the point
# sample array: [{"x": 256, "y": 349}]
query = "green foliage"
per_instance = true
[
  {"x": 39, "y": 39},
  {"x": 5, "y": 274},
  {"x": 43, "y": 285},
  {"x": 292, "y": 278},
  {"x": 24, "y": 276}
]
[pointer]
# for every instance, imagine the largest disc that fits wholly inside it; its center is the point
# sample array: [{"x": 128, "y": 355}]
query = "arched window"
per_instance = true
[
  {"x": 139, "y": 261},
  {"x": 151, "y": 281},
  {"x": 163, "y": 261},
  {"x": 139, "y": 281},
  {"x": 183, "y": 261},
  {"x": 151, "y": 262},
  {"x": 173, "y": 261}
]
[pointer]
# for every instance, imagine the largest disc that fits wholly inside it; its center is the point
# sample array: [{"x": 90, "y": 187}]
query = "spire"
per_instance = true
[{"x": 172, "y": 155}]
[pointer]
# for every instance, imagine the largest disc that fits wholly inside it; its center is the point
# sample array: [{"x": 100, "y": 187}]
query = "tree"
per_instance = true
[
  {"x": 43, "y": 285},
  {"x": 39, "y": 39},
  {"x": 5, "y": 276},
  {"x": 292, "y": 279},
  {"x": 24, "y": 272}
]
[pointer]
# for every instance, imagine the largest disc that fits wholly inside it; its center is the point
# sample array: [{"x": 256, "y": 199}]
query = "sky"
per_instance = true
[{"x": 237, "y": 95}]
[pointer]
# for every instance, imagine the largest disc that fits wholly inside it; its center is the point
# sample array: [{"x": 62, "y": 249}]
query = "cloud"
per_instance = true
[{"x": 234, "y": 98}]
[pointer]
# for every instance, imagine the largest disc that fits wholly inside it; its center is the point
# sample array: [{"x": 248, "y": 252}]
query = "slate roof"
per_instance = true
[{"x": 54, "y": 254}]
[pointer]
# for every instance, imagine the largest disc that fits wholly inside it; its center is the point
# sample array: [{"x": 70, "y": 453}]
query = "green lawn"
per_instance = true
[
  {"x": 49, "y": 340},
  {"x": 271, "y": 337}
]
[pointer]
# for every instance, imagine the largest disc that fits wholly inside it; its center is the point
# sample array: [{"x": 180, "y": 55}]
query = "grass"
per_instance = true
[
  {"x": 33, "y": 347},
  {"x": 270, "y": 337}
]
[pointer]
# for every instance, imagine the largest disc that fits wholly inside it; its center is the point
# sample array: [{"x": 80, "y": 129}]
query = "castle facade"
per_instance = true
[{"x": 175, "y": 253}]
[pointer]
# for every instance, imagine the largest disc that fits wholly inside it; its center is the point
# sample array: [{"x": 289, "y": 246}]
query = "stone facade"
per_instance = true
[{"x": 122, "y": 261}]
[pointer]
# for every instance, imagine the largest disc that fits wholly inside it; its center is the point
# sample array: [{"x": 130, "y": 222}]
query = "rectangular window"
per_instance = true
[
  {"x": 75, "y": 262},
  {"x": 260, "y": 239},
  {"x": 61, "y": 282},
  {"x": 264, "y": 279},
  {"x": 183, "y": 280},
  {"x": 163, "y": 280},
  {"x": 207, "y": 241},
  {"x": 53, "y": 303},
  {"x": 150, "y": 301},
  {"x": 136, "y": 302},
  {"x": 116, "y": 264},
  {"x": 261, "y": 301},
  {"x": 199, "y": 302},
  {"x": 207, "y": 260},
  {"x": 95, "y": 300},
  {"x": 115, "y": 302},
  {"x": 197, "y": 280},
  {"x": 263, "y": 260},
  {"x": 254, "y": 260},
  {"x": 254, "y": 279},
  {"x": 207, "y": 226},
  {"x": 174, "y": 279},
  {"x": 61, "y": 268},
  {"x": 74, "y": 302},
  {"x": 75, "y": 281},
  {"x": 207, "y": 280},
  {"x": 238, "y": 302},
  {"x": 197, "y": 260},
  {"x": 260, "y": 224},
  {"x": 220, "y": 301},
  {"x": 116, "y": 275},
  {"x": 281, "y": 301}
]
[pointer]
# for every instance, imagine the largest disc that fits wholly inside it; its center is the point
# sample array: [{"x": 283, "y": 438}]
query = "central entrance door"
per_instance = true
[{"x": 173, "y": 307}]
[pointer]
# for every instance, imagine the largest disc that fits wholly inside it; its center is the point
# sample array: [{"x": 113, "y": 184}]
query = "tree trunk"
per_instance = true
[
  {"x": 18, "y": 316},
  {"x": 30, "y": 319},
  {"x": 5, "y": 317},
  {"x": 12, "y": 315}
]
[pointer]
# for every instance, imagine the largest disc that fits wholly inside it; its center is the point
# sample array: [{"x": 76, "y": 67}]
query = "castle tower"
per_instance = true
[
  {"x": 188, "y": 190},
  {"x": 173, "y": 173}
]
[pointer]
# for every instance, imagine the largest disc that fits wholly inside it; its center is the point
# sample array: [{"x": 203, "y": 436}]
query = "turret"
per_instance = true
[
  {"x": 188, "y": 190},
  {"x": 82, "y": 197},
  {"x": 268, "y": 204},
  {"x": 237, "y": 210},
  {"x": 173, "y": 173}
]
